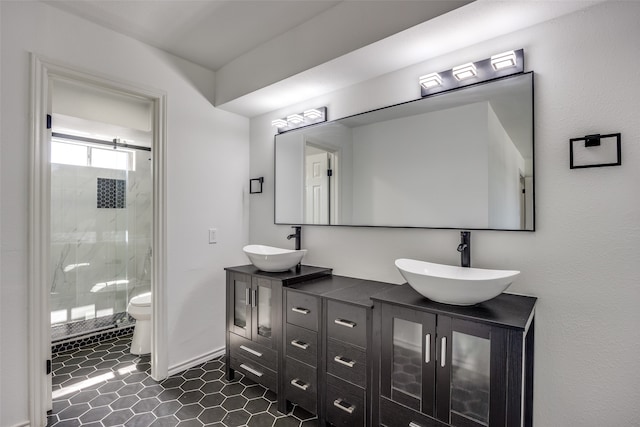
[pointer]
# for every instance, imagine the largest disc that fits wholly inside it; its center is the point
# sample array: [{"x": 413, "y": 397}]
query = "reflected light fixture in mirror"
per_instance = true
[
  {"x": 298, "y": 120},
  {"x": 499, "y": 65}
]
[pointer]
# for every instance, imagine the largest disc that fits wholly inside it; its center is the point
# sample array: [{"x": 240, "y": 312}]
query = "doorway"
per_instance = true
[
  {"x": 320, "y": 184},
  {"x": 45, "y": 75}
]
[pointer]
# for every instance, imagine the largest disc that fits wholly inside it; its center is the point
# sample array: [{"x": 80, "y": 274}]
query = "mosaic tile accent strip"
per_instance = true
[
  {"x": 92, "y": 339},
  {"x": 119, "y": 391},
  {"x": 112, "y": 193}
]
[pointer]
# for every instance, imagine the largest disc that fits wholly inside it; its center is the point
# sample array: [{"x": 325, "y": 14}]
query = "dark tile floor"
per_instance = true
[{"x": 102, "y": 385}]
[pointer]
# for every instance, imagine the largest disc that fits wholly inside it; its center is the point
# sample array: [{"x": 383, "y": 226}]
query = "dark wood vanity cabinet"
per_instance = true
[
  {"x": 301, "y": 345},
  {"x": 363, "y": 353},
  {"x": 443, "y": 365},
  {"x": 254, "y": 321},
  {"x": 328, "y": 363}
]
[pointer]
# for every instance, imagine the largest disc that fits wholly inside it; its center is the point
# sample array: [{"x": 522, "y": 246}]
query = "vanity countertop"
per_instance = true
[
  {"x": 289, "y": 277},
  {"x": 507, "y": 310},
  {"x": 343, "y": 289}
]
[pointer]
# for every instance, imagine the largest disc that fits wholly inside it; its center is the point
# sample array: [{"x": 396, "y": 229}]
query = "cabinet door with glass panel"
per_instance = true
[
  {"x": 252, "y": 312},
  {"x": 446, "y": 368}
]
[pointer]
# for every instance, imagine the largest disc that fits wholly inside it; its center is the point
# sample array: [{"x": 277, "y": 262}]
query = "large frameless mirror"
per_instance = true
[{"x": 461, "y": 159}]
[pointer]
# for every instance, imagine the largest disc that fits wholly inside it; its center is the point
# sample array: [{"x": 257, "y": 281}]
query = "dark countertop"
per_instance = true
[
  {"x": 508, "y": 310},
  {"x": 289, "y": 277},
  {"x": 343, "y": 289}
]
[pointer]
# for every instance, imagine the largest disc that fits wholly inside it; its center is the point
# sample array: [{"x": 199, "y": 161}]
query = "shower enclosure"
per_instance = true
[{"x": 100, "y": 232}]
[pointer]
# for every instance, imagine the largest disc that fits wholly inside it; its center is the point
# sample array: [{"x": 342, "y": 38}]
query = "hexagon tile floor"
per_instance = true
[{"x": 103, "y": 385}]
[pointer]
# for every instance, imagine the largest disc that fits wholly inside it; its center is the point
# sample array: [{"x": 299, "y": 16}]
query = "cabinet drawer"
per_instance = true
[
  {"x": 255, "y": 372},
  {"x": 303, "y": 310},
  {"x": 253, "y": 351},
  {"x": 347, "y": 362},
  {"x": 302, "y": 344},
  {"x": 395, "y": 415},
  {"x": 301, "y": 384},
  {"x": 347, "y": 323},
  {"x": 345, "y": 403}
]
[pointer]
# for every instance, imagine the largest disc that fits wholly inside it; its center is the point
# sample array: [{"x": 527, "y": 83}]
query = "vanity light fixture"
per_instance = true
[
  {"x": 497, "y": 66},
  {"x": 430, "y": 80},
  {"x": 465, "y": 71},
  {"x": 279, "y": 123},
  {"x": 295, "y": 119},
  {"x": 298, "y": 120},
  {"x": 313, "y": 114},
  {"x": 503, "y": 60}
]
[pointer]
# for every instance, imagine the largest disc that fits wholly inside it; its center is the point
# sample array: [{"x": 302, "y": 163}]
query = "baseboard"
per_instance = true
[
  {"x": 175, "y": 369},
  {"x": 22, "y": 424}
]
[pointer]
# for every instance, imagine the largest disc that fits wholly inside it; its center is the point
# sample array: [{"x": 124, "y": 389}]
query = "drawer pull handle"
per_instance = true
[
  {"x": 299, "y": 344},
  {"x": 297, "y": 383},
  {"x": 346, "y": 323},
  {"x": 300, "y": 310},
  {"x": 414, "y": 424},
  {"x": 443, "y": 352},
  {"x": 251, "y": 370},
  {"x": 250, "y": 350},
  {"x": 344, "y": 405},
  {"x": 345, "y": 362}
]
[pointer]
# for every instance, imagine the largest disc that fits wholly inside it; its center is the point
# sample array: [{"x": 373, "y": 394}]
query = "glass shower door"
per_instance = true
[{"x": 100, "y": 235}]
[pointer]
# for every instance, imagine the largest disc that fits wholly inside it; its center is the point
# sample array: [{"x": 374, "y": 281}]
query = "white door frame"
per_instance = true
[{"x": 43, "y": 70}]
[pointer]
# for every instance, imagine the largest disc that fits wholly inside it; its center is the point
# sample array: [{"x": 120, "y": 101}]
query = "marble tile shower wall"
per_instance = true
[{"x": 100, "y": 257}]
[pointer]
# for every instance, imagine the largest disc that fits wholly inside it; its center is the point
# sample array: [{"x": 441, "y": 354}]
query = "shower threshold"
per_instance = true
[{"x": 82, "y": 328}]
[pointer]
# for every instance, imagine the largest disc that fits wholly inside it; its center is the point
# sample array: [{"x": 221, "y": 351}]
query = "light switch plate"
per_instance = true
[{"x": 213, "y": 235}]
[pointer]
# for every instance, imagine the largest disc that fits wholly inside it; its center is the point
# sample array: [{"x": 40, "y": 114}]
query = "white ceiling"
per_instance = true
[
  {"x": 307, "y": 48},
  {"x": 212, "y": 33}
]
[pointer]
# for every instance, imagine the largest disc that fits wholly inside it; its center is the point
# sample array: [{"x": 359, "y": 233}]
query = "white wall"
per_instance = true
[
  {"x": 582, "y": 262},
  {"x": 207, "y": 179},
  {"x": 405, "y": 180},
  {"x": 290, "y": 192},
  {"x": 505, "y": 166}
]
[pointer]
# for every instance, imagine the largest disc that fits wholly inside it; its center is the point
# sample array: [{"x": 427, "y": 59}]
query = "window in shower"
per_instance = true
[{"x": 72, "y": 153}]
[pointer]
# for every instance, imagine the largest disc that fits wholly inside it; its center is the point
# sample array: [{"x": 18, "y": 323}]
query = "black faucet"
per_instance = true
[
  {"x": 297, "y": 235},
  {"x": 465, "y": 249}
]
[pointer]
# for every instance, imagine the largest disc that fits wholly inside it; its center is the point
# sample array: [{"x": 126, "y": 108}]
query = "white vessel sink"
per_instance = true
[
  {"x": 455, "y": 285},
  {"x": 268, "y": 258}
]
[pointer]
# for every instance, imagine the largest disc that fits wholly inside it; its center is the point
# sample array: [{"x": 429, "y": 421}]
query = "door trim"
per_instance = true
[{"x": 43, "y": 70}]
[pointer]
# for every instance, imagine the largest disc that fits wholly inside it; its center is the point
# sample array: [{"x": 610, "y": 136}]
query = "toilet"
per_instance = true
[{"x": 140, "y": 309}]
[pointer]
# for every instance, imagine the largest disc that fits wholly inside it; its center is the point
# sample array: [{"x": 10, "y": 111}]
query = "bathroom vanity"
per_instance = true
[
  {"x": 254, "y": 320},
  {"x": 365, "y": 353}
]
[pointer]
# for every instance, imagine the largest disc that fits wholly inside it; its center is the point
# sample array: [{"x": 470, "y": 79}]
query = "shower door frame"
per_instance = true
[{"x": 43, "y": 71}]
